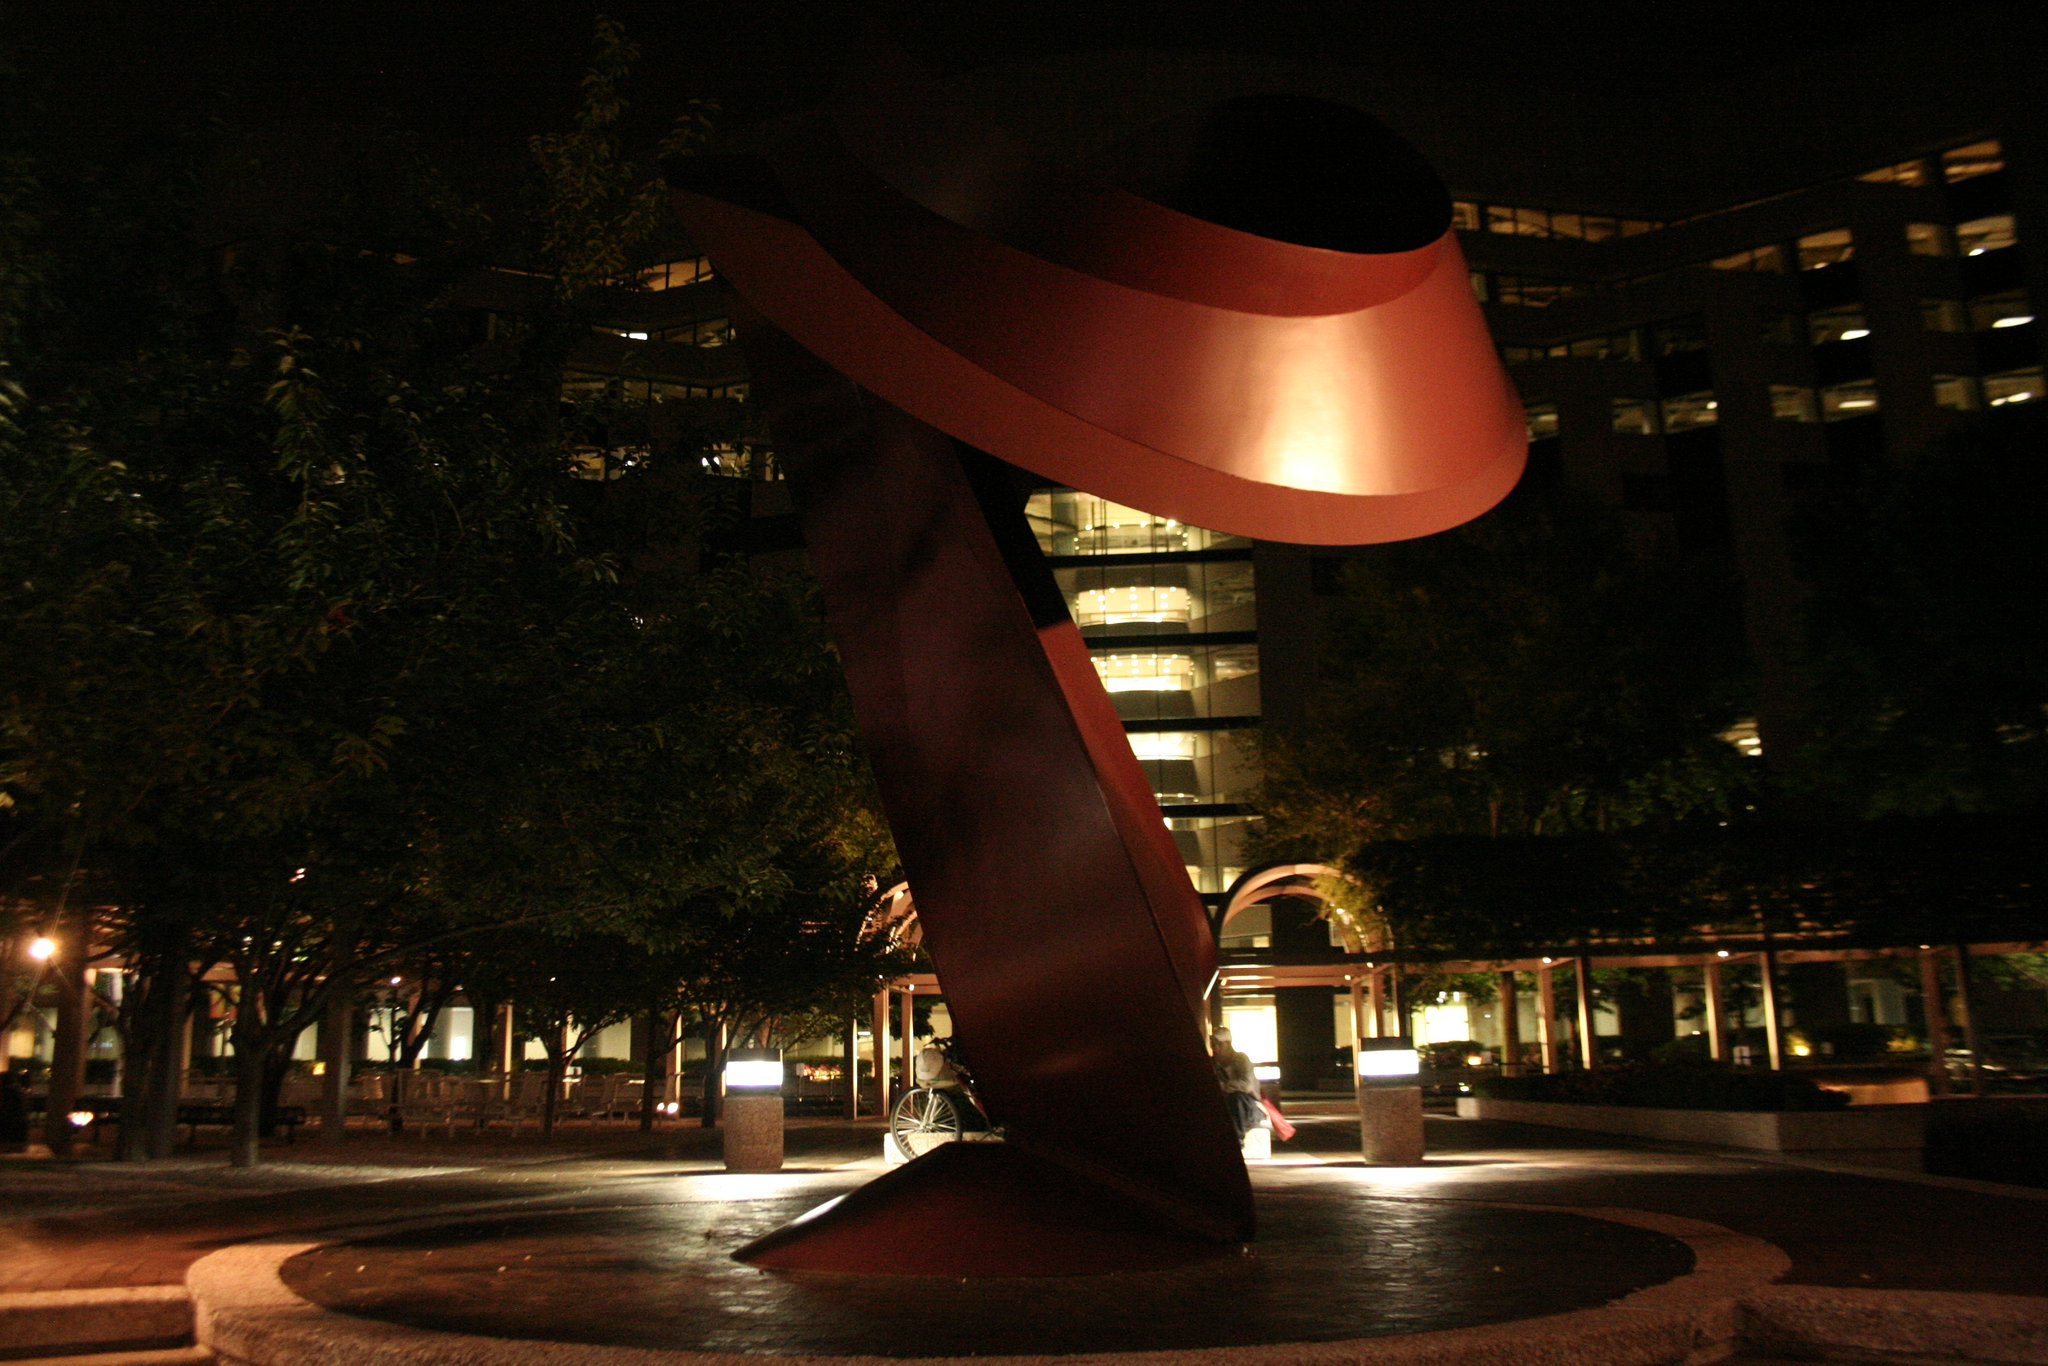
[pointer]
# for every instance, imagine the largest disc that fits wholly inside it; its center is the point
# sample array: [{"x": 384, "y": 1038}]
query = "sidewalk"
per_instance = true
[{"x": 99, "y": 1223}]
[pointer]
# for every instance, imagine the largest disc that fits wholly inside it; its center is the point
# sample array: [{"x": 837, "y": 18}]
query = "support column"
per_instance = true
[
  {"x": 505, "y": 1044},
  {"x": 881, "y": 1052},
  {"x": 672, "y": 1083},
  {"x": 908, "y": 1042},
  {"x": 1589, "y": 1044},
  {"x": 1934, "y": 1008},
  {"x": 852, "y": 1040},
  {"x": 1376, "y": 1013},
  {"x": 337, "y": 1027},
  {"x": 1967, "y": 999},
  {"x": 1510, "y": 1007},
  {"x": 1717, "y": 1017},
  {"x": 1767, "y": 966},
  {"x": 1546, "y": 1016},
  {"x": 1357, "y": 986}
]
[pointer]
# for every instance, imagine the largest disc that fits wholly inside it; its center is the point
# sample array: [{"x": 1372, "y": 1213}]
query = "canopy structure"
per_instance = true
[{"x": 1278, "y": 340}]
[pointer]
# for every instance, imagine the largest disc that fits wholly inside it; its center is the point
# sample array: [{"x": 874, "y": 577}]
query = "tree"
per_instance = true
[
  {"x": 1533, "y": 672},
  {"x": 1927, "y": 642},
  {"x": 326, "y": 657}
]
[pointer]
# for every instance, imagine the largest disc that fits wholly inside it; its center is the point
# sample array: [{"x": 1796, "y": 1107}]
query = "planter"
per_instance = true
[{"x": 1870, "y": 1136}]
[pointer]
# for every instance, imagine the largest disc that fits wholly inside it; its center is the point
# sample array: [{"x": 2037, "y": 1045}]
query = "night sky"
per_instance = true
[{"x": 496, "y": 70}]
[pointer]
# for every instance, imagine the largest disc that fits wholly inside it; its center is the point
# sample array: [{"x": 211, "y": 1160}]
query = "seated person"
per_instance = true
[{"x": 936, "y": 1070}]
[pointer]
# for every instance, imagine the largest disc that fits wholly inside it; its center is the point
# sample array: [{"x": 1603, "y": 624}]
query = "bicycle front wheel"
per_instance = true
[{"x": 924, "y": 1119}]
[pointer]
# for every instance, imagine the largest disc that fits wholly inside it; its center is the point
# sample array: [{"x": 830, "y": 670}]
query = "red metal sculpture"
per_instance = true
[{"x": 1301, "y": 361}]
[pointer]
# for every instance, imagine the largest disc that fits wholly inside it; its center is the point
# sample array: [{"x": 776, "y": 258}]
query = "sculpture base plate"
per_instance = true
[
  {"x": 656, "y": 1272},
  {"x": 980, "y": 1209}
]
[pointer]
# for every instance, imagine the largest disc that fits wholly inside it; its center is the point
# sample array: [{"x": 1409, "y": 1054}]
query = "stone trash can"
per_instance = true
[
  {"x": 1389, "y": 1101},
  {"x": 752, "y": 1120}
]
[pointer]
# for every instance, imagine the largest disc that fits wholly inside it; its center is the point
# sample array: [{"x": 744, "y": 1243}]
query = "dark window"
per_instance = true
[{"x": 1831, "y": 285}]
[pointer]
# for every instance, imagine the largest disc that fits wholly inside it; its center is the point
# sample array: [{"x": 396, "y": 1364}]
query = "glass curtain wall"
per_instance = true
[{"x": 1169, "y": 614}]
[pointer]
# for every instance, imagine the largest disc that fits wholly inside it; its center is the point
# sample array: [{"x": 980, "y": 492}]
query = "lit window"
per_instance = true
[
  {"x": 1836, "y": 324},
  {"x": 1855, "y": 399},
  {"x": 2013, "y": 386},
  {"x": 1613, "y": 346},
  {"x": 1143, "y": 603},
  {"x": 1567, "y": 225},
  {"x": 1941, "y": 315},
  {"x": 1905, "y": 173},
  {"x": 1527, "y": 291},
  {"x": 1958, "y": 392},
  {"x": 1685, "y": 411},
  {"x": 1979, "y": 158},
  {"x": 1465, "y": 216},
  {"x": 1793, "y": 403},
  {"x": 1542, "y": 419},
  {"x": 1634, "y": 227},
  {"x": 1769, "y": 259},
  {"x": 1107, "y": 528},
  {"x": 1980, "y": 235},
  {"x": 1146, "y": 673},
  {"x": 674, "y": 274},
  {"x": 1171, "y": 744},
  {"x": 1818, "y": 249},
  {"x": 1500, "y": 219},
  {"x": 1674, "y": 338},
  {"x": 1597, "y": 229},
  {"x": 2009, "y": 309},
  {"x": 1745, "y": 737},
  {"x": 1633, "y": 416},
  {"x": 1927, "y": 239}
]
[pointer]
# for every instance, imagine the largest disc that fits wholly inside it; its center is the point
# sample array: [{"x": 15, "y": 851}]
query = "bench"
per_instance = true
[{"x": 193, "y": 1114}]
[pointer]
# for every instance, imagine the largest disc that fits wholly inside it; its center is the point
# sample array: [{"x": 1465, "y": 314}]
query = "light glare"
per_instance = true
[
  {"x": 1389, "y": 1062},
  {"x": 753, "y": 1074}
]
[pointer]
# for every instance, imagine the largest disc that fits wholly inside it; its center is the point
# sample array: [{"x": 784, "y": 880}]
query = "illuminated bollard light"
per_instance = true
[
  {"x": 1389, "y": 1101},
  {"x": 753, "y": 1110}
]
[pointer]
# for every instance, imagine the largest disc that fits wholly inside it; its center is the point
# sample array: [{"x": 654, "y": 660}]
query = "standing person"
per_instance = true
[{"x": 1240, "y": 1085}]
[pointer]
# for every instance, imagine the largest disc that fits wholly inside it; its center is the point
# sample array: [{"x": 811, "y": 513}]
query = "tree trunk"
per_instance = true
[
  {"x": 483, "y": 1014},
  {"x": 74, "y": 1026},
  {"x": 247, "y": 1147},
  {"x": 142, "y": 1039},
  {"x": 277, "y": 1065},
  {"x": 654, "y": 1068},
  {"x": 714, "y": 1063},
  {"x": 168, "y": 1074},
  {"x": 558, "y": 1067}
]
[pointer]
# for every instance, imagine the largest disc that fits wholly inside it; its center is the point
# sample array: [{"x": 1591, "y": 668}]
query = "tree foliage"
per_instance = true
[
  {"x": 1534, "y": 672},
  {"x": 1928, "y": 645},
  {"x": 321, "y": 654}
]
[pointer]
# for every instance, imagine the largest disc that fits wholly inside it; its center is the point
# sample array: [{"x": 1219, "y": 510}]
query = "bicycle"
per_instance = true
[{"x": 940, "y": 1108}]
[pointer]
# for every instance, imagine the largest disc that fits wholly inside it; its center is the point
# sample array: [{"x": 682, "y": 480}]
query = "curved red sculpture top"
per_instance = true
[
  {"x": 1276, "y": 339},
  {"x": 1227, "y": 378}
]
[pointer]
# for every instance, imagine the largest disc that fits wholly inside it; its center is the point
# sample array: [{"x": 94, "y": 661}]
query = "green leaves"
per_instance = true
[{"x": 1533, "y": 672}]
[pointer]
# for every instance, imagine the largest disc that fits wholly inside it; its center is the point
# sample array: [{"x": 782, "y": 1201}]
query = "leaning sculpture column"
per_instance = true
[{"x": 928, "y": 307}]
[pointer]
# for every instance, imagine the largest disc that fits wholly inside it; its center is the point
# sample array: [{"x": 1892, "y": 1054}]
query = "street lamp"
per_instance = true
[{"x": 41, "y": 948}]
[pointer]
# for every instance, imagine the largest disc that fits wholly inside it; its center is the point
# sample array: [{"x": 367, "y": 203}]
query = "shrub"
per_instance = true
[{"x": 1673, "y": 1085}]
